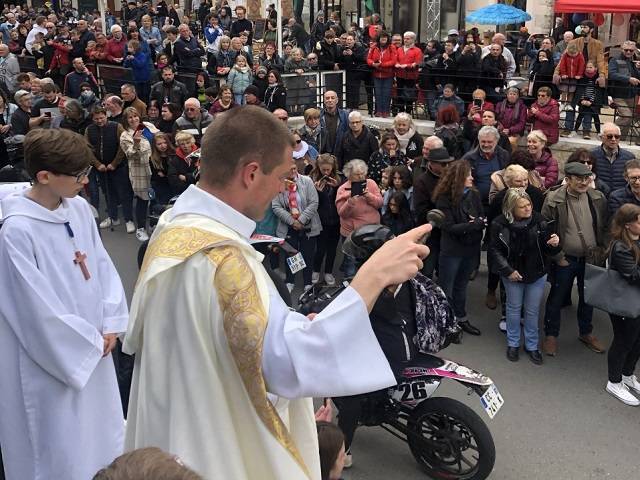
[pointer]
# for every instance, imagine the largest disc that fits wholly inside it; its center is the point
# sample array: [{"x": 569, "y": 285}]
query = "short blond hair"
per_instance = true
[
  {"x": 513, "y": 172},
  {"x": 182, "y": 136}
]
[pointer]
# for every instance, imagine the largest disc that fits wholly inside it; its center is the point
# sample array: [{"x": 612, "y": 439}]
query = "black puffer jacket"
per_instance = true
[
  {"x": 624, "y": 262},
  {"x": 521, "y": 248}
]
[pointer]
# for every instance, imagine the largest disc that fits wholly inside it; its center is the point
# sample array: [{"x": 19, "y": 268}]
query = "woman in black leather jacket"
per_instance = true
[
  {"x": 462, "y": 229},
  {"x": 520, "y": 243},
  {"x": 625, "y": 348}
]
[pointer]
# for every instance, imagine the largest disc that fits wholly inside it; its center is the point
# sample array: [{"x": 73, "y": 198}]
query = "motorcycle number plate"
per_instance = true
[
  {"x": 492, "y": 401},
  {"x": 296, "y": 263}
]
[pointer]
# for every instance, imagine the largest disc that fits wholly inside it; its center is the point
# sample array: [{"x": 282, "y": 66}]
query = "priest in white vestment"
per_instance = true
[
  {"x": 225, "y": 372},
  {"x": 60, "y": 411}
]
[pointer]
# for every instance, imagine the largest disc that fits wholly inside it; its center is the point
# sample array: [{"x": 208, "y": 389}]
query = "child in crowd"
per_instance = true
[
  {"x": 401, "y": 181},
  {"x": 332, "y": 453},
  {"x": 589, "y": 98},
  {"x": 398, "y": 214},
  {"x": 571, "y": 70},
  {"x": 59, "y": 325},
  {"x": 240, "y": 77}
]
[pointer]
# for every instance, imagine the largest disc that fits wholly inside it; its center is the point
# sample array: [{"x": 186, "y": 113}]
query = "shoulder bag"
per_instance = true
[{"x": 607, "y": 290}]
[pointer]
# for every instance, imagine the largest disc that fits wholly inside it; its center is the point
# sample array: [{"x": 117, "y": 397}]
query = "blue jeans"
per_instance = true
[
  {"x": 561, "y": 284},
  {"x": 382, "y": 90},
  {"x": 529, "y": 295},
  {"x": 238, "y": 98},
  {"x": 453, "y": 279}
]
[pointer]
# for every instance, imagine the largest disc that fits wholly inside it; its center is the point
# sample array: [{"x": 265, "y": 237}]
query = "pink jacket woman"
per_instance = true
[{"x": 359, "y": 210}]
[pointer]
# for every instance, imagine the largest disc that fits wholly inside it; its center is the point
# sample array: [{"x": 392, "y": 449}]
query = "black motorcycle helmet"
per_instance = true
[{"x": 364, "y": 241}]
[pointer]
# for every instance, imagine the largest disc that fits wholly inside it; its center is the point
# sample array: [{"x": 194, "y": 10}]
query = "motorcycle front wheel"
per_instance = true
[{"x": 449, "y": 440}]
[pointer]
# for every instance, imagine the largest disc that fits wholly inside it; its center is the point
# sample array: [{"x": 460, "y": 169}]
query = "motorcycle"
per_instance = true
[{"x": 446, "y": 437}]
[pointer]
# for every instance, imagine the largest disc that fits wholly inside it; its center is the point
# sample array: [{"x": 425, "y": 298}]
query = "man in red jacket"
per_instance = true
[{"x": 408, "y": 58}]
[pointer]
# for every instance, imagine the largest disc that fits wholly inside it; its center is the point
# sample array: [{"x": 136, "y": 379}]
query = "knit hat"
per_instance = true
[
  {"x": 262, "y": 69},
  {"x": 252, "y": 89}
]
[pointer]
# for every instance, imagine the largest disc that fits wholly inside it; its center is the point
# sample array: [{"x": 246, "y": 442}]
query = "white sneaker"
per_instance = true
[
  {"x": 141, "y": 235},
  {"x": 290, "y": 287},
  {"x": 631, "y": 382},
  {"x": 503, "y": 325},
  {"x": 622, "y": 393},
  {"x": 329, "y": 279},
  {"x": 109, "y": 222},
  {"x": 348, "y": 460},
  {"x": 315, "y": 277},
  {"x": 131, "y": 227},
  {"x": 573, "y": 134}
]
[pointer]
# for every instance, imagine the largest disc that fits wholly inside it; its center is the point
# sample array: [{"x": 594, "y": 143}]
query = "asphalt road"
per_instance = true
[{"x": 557, "y": 421}]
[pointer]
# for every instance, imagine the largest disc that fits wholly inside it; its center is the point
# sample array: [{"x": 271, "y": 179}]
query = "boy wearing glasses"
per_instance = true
[{"x": 61, "y": 415}]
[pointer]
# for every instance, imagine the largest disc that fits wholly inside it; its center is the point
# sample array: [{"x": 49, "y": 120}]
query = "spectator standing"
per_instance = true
[
  {"x": 21, "y": 120},
  {"x": 113, "y": 104},
  {"x": 79, "y": 75},
  {"x": 485, "y": 160},
  {"x": 358, "y": 142},
  {"x": 311, "y": 132},
  {"x": 116, "y": 46},
  {"x": 298, "y": 221},
  {"x": 151, "y": 34},
  {"x": 592, "y": 50},
  {"x": 241, "y": 24},
  {"x": 630, "y": 193},
  {"x": 580, "y": 215},
  {"x": 9, "y": 68},
  {"x": 183, "y": 167},
  {"x": 388, "y": 155},
  {"x": 589, "y": 98},
  {"x": 194, "y": 119},
  {"x": 188, "y": 50},
  {"x": 500, "y": 39},
  {"x": 544, "y": 113},
  {"x": 410, "y": 140},
  {"x": 225, "y": 57},
  {"x": 169, "y": 90},
  {"x": 130, "y": 99},
  {"x": 383, "y": 58},
  {"x": 169, "y": 48},
  {"x": 512, "y": 115},
  {"x": 356, "y": 210},
  {"x": 240, "y": 77},
  {"x": 448, "y": 130},
  {"x": 270, "y": 58},
  {"x": 319, "y": 28},
  {"x": 38, "y": 27},
  {"x": 326, "y": 179},
  {"x": 98, "y": 53},
  {"x": 448, "y": 97},
  {"x": 213, "y": 33},
  {"x": 223, "y": 102},
  {"x": 520, "y": 244},
  {"x": 10, "y": 23},
  {"x": 585, "y": 157},
  {"x": 136, "y": 145},
  {"x": 409, "y": 58},
  {"x": 328, "y": 52},
  {"x": 462, "y": 230},
  {"x": 624, "y": 78},
  {"x": 334, "y": 122},
  {"x": 435, "y": 160},
  {"x": 169, "y": 113},
  {"x": 111, "y": 172},
  {"x": 542, "y": 73},
  {"x": 610, "y": 158},
  {"x": 275, "y": 96},
  {"x": 353, "y": 59},
  {"x": 625, "y": 348},
  {"x": 546, "y": 165},
  {"x": 571, "y": 70},
  {"x": 138, "y": 61},
  {"x": 495, "y": 70}
]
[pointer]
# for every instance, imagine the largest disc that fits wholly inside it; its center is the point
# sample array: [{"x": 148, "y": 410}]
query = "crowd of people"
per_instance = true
[{"x": 538, "y": 223}]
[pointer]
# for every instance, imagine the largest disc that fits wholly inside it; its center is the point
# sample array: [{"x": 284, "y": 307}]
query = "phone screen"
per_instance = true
[
  {"x": 140, "y": 127},
  {"x": 477, "y": 102},
  {"x": 357, "y": 188}
]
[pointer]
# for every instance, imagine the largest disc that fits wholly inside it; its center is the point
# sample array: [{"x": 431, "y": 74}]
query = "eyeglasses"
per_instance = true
[
  {"x": 543, "y": 95},
  {"x": 78, "y": 176},
  {"x": 628, "y": 49},
  {"x": 581, "y": 178},
  {"x": 633, "y": 179},
  {"x": 586, "y": 162},
  {"x": 611, "y": 136}
]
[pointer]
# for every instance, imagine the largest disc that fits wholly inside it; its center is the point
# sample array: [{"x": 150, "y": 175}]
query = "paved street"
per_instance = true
[{"x": 557, "y": 422}]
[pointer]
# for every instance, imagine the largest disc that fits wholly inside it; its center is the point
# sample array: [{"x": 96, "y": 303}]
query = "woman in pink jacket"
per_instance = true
[
  {"x": 354, "y": 208},
  {"x": 545, "y": 114},
  {"x": 546, "y": 165},
  {"x": 383, "y": 58}
]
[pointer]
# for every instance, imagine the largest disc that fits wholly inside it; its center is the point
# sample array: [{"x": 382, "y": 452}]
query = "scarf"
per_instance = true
[
  {"x": 292, "y": 188},
  {"x": 244, "y": 69},
  {"x": 404, "y": 139}
]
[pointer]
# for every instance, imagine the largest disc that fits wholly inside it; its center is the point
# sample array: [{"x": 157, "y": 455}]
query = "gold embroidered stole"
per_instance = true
[{"x": 244, "y": 313}]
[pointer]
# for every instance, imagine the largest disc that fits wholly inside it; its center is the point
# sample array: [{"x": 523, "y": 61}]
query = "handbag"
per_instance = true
[
  {"x": 595, "y": 255},
  {"x": 607, "y": 290}
]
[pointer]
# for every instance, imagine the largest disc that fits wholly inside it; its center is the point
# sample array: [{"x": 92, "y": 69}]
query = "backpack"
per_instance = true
[
  {"x": 436, "y": 325},
  {"x": 452, "y": 141}
]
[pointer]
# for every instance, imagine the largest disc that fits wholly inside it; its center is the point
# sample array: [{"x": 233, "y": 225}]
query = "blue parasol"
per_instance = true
[{"x": 498, "y": 14}]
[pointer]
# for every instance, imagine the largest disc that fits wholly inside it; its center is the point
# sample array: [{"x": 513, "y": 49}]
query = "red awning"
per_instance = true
[{"x": 597, "y": 6}]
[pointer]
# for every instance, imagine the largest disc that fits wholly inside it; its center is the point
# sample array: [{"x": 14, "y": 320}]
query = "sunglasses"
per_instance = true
[
  {"x": 586, "y": 162},
  {"x": 611, "y": 136}
]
